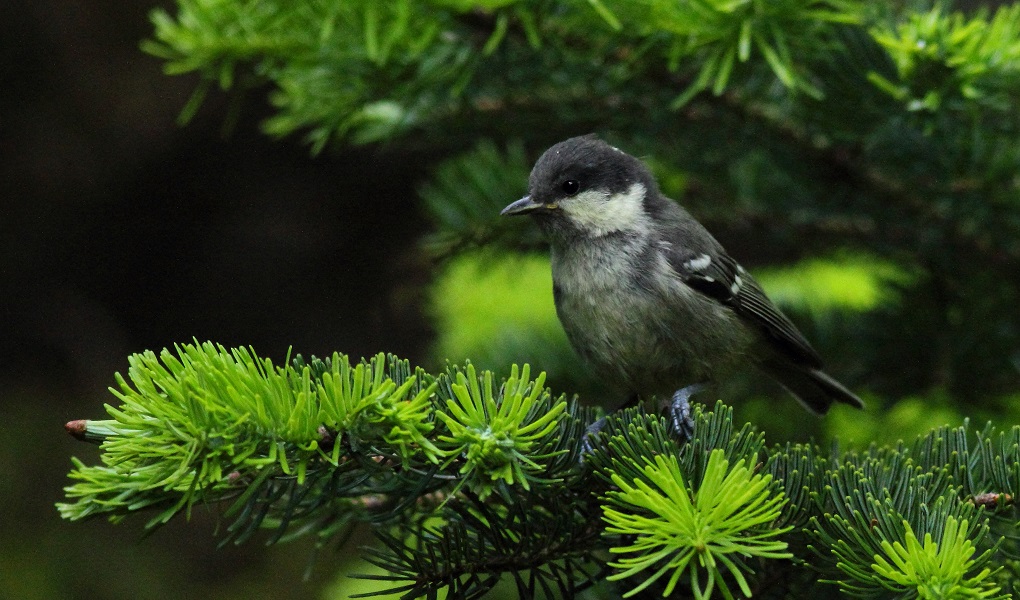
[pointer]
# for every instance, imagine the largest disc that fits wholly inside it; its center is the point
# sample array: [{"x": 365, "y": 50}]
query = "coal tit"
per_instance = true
[{"x": 648, "y": 298}]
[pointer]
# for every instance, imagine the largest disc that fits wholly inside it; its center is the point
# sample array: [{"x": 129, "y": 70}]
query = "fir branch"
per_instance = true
[
  {"x": 544, "y": 543},
  {"x": 936, "y": 570},
  {"x": 464, "y": 481},
  {"x": 856, "y": 168},
  {"x": 498, "y": 439},
  {"x": 728, "y": 519}
]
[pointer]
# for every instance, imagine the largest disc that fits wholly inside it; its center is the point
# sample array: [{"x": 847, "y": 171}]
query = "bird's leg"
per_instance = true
[
  {"x": 588, "y": 438},
  {"x": 680, "y": 412},
  {"x": 592, "y": 431}
]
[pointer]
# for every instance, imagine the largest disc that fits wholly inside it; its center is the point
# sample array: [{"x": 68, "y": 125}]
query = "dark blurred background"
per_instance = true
[{"x": 123, "y": 231}]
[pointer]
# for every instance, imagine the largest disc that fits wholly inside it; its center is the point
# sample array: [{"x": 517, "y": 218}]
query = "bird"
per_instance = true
[{"x": 648, "y": 298}]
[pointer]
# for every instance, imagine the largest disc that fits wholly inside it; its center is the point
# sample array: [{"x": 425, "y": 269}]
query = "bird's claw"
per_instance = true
[
  {"x": 591, "y": 433},
  {"x": 680, "y": 420},
  {"x": 680, "y": 412}
]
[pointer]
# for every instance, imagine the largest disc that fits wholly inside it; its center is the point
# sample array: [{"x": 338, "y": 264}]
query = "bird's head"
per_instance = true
[{"x": 585, "y": 187}]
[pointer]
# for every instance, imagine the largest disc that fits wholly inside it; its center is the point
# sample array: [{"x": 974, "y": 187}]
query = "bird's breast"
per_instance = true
[{"x": 629, "y": 316}]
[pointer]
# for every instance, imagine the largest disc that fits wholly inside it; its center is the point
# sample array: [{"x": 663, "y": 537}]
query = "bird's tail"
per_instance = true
[{"x": 814, "y": 388}]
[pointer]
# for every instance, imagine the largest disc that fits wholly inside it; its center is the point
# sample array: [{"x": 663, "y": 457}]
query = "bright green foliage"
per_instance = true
[
  {"x": 189, "y": 420},
  {"x": 359, "y": 402},
  {"x": 726, "y": 520},
  {"x": 199, "y": 425},
  {"x": 932, "y": 571},
  {"x": 499, "y": 438},
  {"x": 464, "y": 480}
]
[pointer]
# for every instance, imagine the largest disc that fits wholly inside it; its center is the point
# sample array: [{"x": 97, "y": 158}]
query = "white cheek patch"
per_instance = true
[{"x": 600, "y": 213}]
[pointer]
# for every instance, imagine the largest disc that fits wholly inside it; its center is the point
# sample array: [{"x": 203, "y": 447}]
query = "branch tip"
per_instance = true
[
  {"x": 992, "y": 500},
  {"x": 78, "y": 429},
  {"x": 326, "y": 437}
]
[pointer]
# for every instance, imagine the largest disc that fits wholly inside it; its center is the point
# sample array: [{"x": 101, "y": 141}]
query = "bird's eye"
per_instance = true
[{"x": 570, "y": 187}]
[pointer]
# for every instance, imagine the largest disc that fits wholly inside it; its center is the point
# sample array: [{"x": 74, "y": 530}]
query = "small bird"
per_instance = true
[{"x": 648, "y": 298}]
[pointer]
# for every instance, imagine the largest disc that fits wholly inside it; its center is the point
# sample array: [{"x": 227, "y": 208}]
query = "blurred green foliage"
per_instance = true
[
  {"x": 498, "y": 310},
  {"x": 843, "y": 283}
]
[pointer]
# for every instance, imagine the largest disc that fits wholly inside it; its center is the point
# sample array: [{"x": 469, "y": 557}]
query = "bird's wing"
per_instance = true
[{"x": 721, "y": 278}]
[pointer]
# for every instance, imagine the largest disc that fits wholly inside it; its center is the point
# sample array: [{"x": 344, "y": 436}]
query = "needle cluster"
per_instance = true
[{"x": 466, "y": 477}]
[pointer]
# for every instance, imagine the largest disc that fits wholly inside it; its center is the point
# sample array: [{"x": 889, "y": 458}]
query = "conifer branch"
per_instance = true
[{"x": 465, "y": 479}]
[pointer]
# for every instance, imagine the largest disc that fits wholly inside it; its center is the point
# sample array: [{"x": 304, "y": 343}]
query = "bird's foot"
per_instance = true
[
  {"x": 680, "y": 412},
  {"x": 591, "y": 433}
]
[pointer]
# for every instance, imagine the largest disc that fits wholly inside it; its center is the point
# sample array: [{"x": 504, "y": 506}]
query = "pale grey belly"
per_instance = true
[{"x": 651, "y": 342}]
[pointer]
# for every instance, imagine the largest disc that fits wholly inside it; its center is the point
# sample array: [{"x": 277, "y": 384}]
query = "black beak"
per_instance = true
[{"x": 524, "y": 206}]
